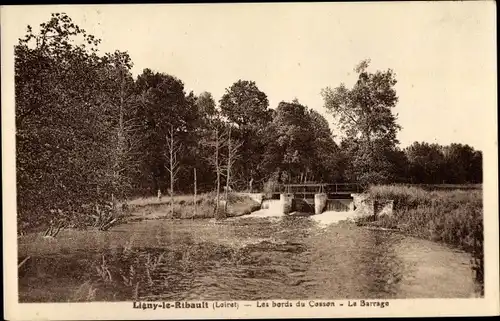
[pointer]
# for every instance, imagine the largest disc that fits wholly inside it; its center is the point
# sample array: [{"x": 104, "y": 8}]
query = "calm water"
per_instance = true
[{"x": 239, "y": 259}]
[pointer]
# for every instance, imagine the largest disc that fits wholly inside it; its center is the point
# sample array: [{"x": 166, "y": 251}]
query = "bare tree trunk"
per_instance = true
[
  {"x": 125, "y": 146},
  {"x": 232, "y": 155},
  {"x": 217, "y": 168},
  {"x": 120, "y": 155},
  {"x": 173, "y": 169},
  {"x": 194, "y": 197},
  {"x": 218, "y": 143},
  {"x": 228, "y": 169},
  {"x": 171, "y": 178}
]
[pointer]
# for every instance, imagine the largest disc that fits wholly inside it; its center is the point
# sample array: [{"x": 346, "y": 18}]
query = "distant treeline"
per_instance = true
[{"x": 88, "y": 132}]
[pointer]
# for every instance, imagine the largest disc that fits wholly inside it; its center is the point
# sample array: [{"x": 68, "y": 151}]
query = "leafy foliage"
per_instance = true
[
  {"x": 434, "y": 164},
  {"x": 62, "y": 123},
  {"x": 300, "y": 146},
  {"x": 364, "y": 114},
  {"x": 246, "y": 106}
]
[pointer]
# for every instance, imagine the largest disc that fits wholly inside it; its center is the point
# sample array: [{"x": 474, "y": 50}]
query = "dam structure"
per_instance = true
[{"x": 317, "y": 198}]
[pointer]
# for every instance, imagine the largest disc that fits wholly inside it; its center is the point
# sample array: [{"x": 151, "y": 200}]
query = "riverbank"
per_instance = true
[
  {"x": 152, "y": 242},
  {"x": 452, "y": 217},
  {"x": 243, "y": 258},
  {"x": 185, "y": 208},
  {"x": 154, "y": 258}
]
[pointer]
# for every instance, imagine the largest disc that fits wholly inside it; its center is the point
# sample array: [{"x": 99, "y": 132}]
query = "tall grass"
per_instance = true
[
  {"x": 184, "y": 207},
  {"x": 453, "y": 217}
]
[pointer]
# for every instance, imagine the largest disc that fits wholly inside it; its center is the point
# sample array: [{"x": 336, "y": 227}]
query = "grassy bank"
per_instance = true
[
  {"x": 152, "y": 208},
  {"x": 453, "y": 217},
  {"x": 184, "y": 207}
]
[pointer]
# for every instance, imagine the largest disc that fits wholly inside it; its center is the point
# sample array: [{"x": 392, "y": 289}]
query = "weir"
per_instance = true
[
  {"x": 301, "y": 199},
  {"x": 316, "y": 204},
  {"x": 319, "y": 198}
]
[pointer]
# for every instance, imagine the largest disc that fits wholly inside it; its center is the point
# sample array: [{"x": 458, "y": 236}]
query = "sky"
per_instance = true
[{"x": 443, "y": 54}]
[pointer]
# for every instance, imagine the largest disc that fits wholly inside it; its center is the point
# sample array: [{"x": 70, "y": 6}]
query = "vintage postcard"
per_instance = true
[{"x": 282, "y": 160}]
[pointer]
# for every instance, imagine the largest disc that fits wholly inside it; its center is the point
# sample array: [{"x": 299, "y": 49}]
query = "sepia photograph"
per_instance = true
[{"x": 235, "y": 160}]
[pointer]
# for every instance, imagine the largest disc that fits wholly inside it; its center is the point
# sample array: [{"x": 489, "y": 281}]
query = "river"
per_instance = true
[{"x": 256, "y": 257}]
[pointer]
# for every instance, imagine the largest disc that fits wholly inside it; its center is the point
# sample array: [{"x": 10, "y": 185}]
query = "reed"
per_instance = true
[{"x": 453, "y": 217}]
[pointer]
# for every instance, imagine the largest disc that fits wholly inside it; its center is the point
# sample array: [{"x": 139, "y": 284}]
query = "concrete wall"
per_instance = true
[
  {"x": 319, "y": 203},
  {"x": 258, "y": 197},
  {"x": 286, "y": 201},
  {"x": 364, "y": 206}
]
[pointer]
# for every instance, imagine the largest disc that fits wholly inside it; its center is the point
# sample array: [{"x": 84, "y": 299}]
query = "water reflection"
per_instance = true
[
  {"x": 378, "y": 265},
  {"x": 240, "y": 259}
]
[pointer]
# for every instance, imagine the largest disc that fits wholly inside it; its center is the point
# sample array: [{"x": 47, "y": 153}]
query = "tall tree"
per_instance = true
[
  {"x": 289, "y": 146},
  {"x": 476, "y": 169},
  {"x": 164, "y": 104},
  {"x": 463, "y": 164},
  {"x": 206, "y": 105},
  {"x": 246, "y": 106},
  {"x": 62, "y": 132},
  {"x": 216, "y": 142},
  {"x": 426, "y": 163},
  {"x": 364, "y": 113},
  {"x": 173, "y": 165},
  {"x": 207, "y": 114},
  {"x": 399, "y": 165},
  {"x": 436, "y": 164},
  {"x": 300, "y": 146},
  {"x": 116, "y": 88},
  {"x": 327, "y": 163}
]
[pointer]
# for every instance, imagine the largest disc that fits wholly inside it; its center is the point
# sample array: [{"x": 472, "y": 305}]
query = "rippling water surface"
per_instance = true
[{"x": 239, "y": 259}]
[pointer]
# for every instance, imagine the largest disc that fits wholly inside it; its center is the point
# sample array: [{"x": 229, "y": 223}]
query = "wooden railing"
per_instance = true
[{"x": 314, "y": 188}]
